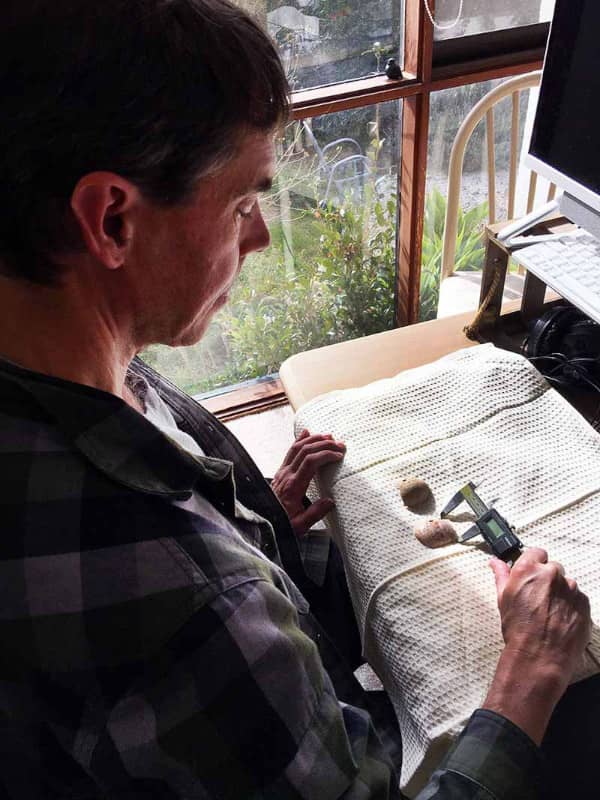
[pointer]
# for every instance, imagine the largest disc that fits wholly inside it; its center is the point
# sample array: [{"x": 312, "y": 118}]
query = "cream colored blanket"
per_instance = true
[{"x": 429, "y": 617}]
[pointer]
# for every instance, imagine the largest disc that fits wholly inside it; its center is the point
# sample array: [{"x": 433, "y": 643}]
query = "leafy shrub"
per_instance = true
[
  {"x": 357, "y": 264},
  {"x": 345, "y": 292},
  {"x": 470, "y": 248},
  {"x": 340, "y": 286}
]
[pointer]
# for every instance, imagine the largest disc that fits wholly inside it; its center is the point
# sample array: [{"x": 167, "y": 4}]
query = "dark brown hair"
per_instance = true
[{"x": 157, "y": 91}]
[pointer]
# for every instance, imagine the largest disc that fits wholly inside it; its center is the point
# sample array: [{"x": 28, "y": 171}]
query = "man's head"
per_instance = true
[{"x": 159, "y": 92}]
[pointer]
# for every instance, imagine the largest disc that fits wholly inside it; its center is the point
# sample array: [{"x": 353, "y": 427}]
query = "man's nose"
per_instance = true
[{"x": 258, "y": 236}]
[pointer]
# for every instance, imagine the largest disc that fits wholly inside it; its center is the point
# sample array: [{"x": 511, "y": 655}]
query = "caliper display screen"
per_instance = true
[{"x": 494, "y": 528}]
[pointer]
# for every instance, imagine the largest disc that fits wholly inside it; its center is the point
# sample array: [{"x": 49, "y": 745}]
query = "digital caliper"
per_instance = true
[{"x": 496, "y": 531}]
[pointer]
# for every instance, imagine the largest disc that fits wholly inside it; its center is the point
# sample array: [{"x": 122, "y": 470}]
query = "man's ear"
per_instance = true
[{"x": 102, "y": 203}]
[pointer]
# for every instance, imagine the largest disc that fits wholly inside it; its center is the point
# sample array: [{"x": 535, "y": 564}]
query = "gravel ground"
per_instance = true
[{"x": 474, "y": 189}]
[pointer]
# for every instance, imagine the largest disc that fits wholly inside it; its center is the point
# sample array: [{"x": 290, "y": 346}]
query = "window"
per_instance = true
[
  {"x": 456, "y": 18},
  {"x": 330, "y": 273},
  {"x": 448, "y": 109},
  {"x": 359, "y": 163},
  {"x": 327, "y": 41}
]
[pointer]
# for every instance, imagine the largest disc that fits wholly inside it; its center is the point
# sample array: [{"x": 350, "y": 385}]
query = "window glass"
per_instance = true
[
  {"x": 329, "y": 273},
  {"x": 327, "y": 41},
  {"x": 455, "y": 18},
  {"x": 448, "y": 109}
]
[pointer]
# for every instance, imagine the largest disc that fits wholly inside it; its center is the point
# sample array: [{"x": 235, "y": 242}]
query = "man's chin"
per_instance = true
[
  {"x": 194, "y": 332},
  {"x": 191, "y": 335}
]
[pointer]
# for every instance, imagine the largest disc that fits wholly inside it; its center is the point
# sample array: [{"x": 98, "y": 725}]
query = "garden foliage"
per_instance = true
[
  {"x": 340, "y": 285},
  {"x": 345, "y": 292},
  {"x": 470, "y": 249}
]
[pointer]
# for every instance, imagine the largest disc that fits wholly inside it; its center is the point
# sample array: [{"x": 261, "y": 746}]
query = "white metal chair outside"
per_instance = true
[
  {"x": 459, "y": 290},
  {"x": 351, "y": 170}
]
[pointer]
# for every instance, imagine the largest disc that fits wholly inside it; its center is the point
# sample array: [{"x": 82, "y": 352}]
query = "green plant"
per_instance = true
[
  {"x": 340, "y": 286},
  {"x": 379, "y": 50},
  {"x": 470, "y": 250},
  {"x": 346, "y": 291},
  {"x": 357, "y": 264}
]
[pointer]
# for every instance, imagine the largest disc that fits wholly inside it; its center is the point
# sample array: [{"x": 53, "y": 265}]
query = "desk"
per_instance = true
[
  {"x": 374, "y": 530},
  {"x": 572, "y": 744},
  {"x": 361, "y": 361},
  {"x": 497, "y": 256}
]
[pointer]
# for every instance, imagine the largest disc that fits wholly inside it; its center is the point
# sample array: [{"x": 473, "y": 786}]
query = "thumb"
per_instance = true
[
  {"x": 304, "y": 521},
  {"x": 501, "y": 572}
]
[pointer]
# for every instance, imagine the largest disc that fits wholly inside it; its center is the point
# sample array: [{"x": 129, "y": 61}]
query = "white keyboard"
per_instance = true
[{"x": 570, "y": 265}]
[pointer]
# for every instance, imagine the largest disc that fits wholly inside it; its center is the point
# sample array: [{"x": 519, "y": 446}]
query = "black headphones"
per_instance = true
[{"x": 564, "y": 345}]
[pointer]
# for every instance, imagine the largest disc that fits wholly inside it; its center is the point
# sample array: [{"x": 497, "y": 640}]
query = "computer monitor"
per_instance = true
[{"x": 565, "y": 142}]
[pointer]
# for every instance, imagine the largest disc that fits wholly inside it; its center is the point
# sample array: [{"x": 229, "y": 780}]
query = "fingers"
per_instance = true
[
  {"x": 305, "y": 457},
  {"x": 293, "y": 449},
  {"x": 313, "y": 463},
  {"x": 303, "y": 460},
  {"x": 556, "y": 567},
  {"x": 531, "y": 555},
  {"x": 310, "y": 448},
  {"x": 583, "y": 603},
  {"x": 535, "y": 560},
  {"x": 303, "y": 439},
  {"x": 304, "y": 521},
  {"x": 554, "y": 572},
  {"x": 532, "y": 560},
  {"x": 501, "y": 572},
  {"x": 572, "y": 584}
]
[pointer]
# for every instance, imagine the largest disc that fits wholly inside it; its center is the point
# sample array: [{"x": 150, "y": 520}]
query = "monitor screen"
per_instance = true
[{"x": 566, "y": 132}]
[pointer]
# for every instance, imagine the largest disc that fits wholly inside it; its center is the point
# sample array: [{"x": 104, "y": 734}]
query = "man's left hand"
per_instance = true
[{"x": 304, "y": 458}]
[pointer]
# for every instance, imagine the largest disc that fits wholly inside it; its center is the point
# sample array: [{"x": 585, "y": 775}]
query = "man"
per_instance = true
[{"x": 153, "y": 643}]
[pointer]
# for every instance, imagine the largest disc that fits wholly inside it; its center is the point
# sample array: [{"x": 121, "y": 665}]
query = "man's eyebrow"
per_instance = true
[
  {"x": 265, "y": 185},
  {"x": 261, "y": 185}
]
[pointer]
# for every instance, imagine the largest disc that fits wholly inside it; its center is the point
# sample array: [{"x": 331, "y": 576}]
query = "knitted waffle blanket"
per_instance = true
[{"x": 429, "y": 619}]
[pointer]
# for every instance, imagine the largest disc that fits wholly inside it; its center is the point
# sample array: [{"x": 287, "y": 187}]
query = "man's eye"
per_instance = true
[{"x": 246, "y": 210}]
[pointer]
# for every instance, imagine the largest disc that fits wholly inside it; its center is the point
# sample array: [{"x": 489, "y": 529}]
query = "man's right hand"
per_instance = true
[{"x": 546, "y": 626}]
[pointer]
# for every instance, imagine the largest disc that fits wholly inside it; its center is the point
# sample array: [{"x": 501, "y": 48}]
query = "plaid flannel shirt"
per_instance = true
[{"x": 150, "y": 649}]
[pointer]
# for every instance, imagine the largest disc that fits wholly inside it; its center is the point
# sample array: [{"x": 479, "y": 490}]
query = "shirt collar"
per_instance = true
[{"x": 119, "y": 441}]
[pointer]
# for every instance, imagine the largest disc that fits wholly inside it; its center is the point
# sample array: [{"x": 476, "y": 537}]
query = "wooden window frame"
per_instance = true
[{"x": 429, "y": 66}]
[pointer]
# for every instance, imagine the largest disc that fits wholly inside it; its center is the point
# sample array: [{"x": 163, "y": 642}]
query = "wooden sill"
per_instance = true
[
  {"x": 352, "y": 94},
  {"x": 252, "y": 399},
  {"x": 485, "y": 69}
]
